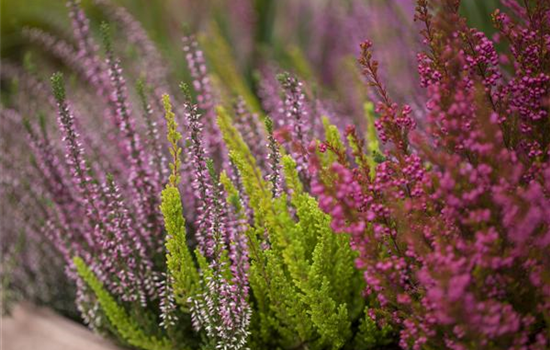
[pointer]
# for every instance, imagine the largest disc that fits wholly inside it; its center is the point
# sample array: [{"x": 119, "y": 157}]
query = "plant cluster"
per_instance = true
[
  {"x": 451, "y": 223},
  {"x": 266, "y": 220}
]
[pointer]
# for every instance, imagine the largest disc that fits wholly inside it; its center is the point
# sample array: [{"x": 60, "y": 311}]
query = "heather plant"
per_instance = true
[
  {"x": 450, "y": 221},
  {"x": 240, "y": 211},
  {"x": 233, "y": 252},
  {"x": 304, "y": 286}
]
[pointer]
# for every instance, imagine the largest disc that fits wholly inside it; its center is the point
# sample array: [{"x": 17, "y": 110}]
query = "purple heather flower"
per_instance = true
[
  {"x": 201, "y": 183},
  {"x": 146, "y": 191},
  {"x": 88, "y": 190},
  {"x": 206, "y": 102}
]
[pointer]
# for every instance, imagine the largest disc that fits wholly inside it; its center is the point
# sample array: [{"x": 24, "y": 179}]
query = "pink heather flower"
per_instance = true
[{"x": 454, "y": 219}]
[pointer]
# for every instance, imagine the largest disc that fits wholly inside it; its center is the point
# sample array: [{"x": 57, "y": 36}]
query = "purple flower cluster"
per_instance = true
[
  {"x": 140, "y": 177},
  {"x": 100, "y": 201},
  {"x": 221, "y": 309},
  {"x": 110, "y": 241}
]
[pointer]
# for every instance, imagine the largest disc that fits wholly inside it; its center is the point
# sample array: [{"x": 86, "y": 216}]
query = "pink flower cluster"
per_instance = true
[{"x": 453, "y": 228}]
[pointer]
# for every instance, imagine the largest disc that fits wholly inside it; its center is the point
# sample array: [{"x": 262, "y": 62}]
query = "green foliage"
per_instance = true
[
  {"x": 58, "y": 85},
  {"x": 371, "y": 336},
  {"x": 185, "y": 278},
  {"x": 173, "y": 137},
  {"x": 373, "y": 156},
  {"x": 291, "y": 175},
  {"x": 372, "y": 138},
  {"x": 105, "y": 32},
  {"x": 233, "y": 197},
  {"x": 307, "y": 291},
  {"x": 268, "y": 125},
  {"x": 332, "y": 138},
  {"x": 126, "y": 326},
  {"x": 178, "y": 258},
  {"x": 255, "y": 185}
]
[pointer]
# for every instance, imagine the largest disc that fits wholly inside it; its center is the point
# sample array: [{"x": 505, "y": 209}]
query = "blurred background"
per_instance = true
[
  {"x": 318, "y": 40},
  {"x": 281, "y": 28},
  {"x": 162, "y": 18}
]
